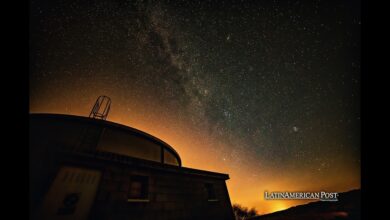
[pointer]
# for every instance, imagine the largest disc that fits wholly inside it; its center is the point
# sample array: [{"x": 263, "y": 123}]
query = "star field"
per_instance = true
[{"x": 266, "y": 91}]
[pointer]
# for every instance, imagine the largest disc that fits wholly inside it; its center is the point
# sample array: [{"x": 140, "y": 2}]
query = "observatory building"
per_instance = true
[{"x": 91, "y": 168}]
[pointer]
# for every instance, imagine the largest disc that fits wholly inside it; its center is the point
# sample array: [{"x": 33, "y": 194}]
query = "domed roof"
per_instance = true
[{"x": 72, "y": 131}]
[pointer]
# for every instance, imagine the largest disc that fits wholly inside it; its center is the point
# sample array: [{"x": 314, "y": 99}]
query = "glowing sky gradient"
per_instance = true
[{"x": 266, "y": 92}]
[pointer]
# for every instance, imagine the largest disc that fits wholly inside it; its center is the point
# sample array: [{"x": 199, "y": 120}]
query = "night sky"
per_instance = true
[{"x": 266, "y": 91}]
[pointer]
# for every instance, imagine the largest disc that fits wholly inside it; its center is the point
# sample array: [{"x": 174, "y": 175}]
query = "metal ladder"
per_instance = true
[{"x": 90, "y": 135}]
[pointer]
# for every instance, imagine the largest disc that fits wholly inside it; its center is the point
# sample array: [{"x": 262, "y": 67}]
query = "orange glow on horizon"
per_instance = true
[
  {"x": 198, "y": 149},
  {"x": 279, "y": 206}
]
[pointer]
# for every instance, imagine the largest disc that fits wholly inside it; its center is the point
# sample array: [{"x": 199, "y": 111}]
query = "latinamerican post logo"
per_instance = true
[{"x": 322, "y": 196}]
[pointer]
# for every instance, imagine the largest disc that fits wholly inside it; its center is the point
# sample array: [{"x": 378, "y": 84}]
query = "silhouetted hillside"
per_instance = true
[{"x": 348, "y": 207}]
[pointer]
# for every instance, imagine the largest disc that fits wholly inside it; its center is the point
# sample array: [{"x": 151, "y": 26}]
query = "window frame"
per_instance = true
[
  {"x": 210, "y": 190},
  {"x": 144, "y": 180}
]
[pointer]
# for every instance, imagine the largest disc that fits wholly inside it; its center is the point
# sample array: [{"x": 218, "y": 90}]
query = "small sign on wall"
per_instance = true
[{"x": 71, "y": 194}]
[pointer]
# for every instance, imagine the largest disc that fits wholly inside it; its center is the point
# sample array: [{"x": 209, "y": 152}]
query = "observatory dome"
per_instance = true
[{"x": 79, "y": 133}]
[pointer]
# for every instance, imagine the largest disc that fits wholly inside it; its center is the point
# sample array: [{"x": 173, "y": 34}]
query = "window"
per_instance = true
[
  {"x": 169, "y": 158},
  {"x": 138, "y": 190},
  {"x": 125, "y": 143},
  {"x": 211, "y": 197}
]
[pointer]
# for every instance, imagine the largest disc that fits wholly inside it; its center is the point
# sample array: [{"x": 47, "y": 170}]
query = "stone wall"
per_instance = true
[{"x": 172, "y": 195}]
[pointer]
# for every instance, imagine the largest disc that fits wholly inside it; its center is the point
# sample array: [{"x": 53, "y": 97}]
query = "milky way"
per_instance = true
[{"x": 267, "y": 91}]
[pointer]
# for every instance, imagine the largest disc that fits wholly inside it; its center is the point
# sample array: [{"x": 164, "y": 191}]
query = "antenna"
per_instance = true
[{"x": 101, "y": 108}]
